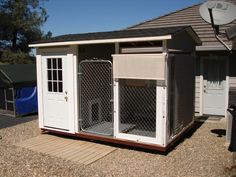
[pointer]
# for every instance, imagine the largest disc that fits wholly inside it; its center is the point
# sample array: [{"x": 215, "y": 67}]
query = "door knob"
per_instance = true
[{"x": 66, "y": 98}]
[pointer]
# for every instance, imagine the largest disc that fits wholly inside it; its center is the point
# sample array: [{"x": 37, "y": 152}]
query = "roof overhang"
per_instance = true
[
  {"x": 194, "y": 35},
  {"x": 211, "y": 48},
  {"x": 103, "y": 41}
]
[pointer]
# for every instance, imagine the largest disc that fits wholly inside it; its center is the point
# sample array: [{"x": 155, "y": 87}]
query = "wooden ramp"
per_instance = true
[{"x": 82, "y": 152}]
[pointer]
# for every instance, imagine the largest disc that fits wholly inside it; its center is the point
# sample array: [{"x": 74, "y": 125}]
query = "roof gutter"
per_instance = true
[
  {"x": 210, "y": 48},
  {"x": 103, "y": 41}
]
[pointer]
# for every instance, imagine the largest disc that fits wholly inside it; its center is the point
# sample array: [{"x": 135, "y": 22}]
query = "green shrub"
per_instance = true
[{"x": 16, "y": 58}]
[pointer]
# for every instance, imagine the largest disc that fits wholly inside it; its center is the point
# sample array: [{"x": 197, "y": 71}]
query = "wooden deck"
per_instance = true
[{"x": 78, "y": 151}]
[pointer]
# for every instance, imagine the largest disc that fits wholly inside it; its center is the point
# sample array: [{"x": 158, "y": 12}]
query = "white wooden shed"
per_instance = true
[{"x": 133, "y": 87}]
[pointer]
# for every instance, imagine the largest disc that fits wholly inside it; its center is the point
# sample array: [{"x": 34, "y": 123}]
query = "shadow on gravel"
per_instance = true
[
  {"x": 219, "y": 132},
  {"x": 6, "y": 121},
  {"x": 188, "y": 135}
]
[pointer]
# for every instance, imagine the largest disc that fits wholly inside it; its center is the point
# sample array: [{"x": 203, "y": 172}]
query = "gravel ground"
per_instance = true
[{"x": 200, "y": 154}]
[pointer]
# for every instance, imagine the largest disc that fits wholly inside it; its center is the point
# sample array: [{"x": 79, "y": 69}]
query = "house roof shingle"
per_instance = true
[{"x": 188, "y": 16}]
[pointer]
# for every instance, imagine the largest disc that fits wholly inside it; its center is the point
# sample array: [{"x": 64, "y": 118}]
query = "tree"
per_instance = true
[{"x": 20, "y": 24}]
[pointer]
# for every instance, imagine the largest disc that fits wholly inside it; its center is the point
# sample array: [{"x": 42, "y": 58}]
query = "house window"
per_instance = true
[{"x": 54, "y": 75}]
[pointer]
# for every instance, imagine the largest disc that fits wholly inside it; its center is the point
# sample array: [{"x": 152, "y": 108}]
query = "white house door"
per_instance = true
[
  {"x": 55, "y": 91},
  {"x": 214, "y": 86}
]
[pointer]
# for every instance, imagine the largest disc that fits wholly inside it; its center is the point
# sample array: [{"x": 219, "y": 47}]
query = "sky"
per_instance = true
[{"x": 83, "y": 16}]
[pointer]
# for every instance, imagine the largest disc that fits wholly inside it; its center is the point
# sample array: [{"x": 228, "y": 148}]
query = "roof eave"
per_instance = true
[
  {"x": 102, "y": 41},
  {"x": 211, "y": 48},
  {"x": 194, "y": 35}
]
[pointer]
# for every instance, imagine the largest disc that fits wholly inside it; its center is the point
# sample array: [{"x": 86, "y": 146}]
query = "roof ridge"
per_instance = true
[{"x": 170, "y": 13}]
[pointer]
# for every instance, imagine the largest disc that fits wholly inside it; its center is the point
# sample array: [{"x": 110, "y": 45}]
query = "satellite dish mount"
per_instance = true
[
  {"x": 216, "y": 28},
  {"x": 218, "y": 13}
]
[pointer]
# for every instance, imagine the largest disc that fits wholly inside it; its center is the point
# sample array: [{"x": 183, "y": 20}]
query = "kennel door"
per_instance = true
[{"x": 96, "y": 111}]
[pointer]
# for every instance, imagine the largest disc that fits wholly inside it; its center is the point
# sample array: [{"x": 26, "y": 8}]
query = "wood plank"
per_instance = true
[
  {"x": 54, "y": 146},
  {"x": 67, "y": 148},
  {"x": 101, "y": 151},
  {"x": 99, "y": 156},
  {"x": 81, "y": 152},
  {"x": 74, "y": 149},
  {"x": 92, "y": 153},
  {"x": 45, "y": 144},
  {"x": 90, "y": 150}
]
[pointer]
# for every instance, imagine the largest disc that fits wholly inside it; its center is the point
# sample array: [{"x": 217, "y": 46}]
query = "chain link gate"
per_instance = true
[
  {"x": 96, "y": 93},
  {"x": 137, "y": 107}
]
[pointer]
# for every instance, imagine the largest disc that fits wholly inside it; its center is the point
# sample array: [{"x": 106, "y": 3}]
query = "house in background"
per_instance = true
[{"x": 215, "y": 66}]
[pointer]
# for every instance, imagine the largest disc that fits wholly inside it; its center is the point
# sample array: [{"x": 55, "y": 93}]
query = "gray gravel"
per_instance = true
[{"x": 200, "y": 154}]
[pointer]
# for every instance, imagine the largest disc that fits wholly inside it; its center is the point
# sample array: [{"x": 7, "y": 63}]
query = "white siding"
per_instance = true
[
  {"x": 197, "y": 94},
  {"x": 232, "y": 82}
]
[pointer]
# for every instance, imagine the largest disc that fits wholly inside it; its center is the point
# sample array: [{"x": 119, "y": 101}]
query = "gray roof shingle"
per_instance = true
[
  {"x": 116, "y": 34},
  {"x": 188, "y": 16}
]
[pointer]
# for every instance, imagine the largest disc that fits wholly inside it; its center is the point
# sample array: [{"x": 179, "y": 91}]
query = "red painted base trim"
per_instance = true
[{"x": 124, "y": 142}]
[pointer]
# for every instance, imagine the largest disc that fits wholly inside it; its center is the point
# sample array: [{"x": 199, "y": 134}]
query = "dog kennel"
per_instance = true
[
  {"x": 18, "y": 92},
  {"x": 133, "y": 87}
]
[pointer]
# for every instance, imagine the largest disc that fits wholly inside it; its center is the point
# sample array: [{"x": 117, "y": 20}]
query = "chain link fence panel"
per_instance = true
[
  {"x": 137, "y": 107},
  {"x": 96, "y": 94}
]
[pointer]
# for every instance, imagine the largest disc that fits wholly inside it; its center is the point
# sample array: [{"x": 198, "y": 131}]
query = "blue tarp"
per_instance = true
[{"x": 26, "y": 100}]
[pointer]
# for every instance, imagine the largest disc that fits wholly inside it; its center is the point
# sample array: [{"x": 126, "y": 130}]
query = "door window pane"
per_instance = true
[
  {"x": 49, "y": 66},
  {"x": 50, "y": 86},
  {"x": 214, "y": 73},
  {"x": 60, "y": 75},
  {"x": 49, "y": 74},
  {"x": 54, "y": 63},
  {"x": 55, "y": 87},
  {"x": 60, "y": 89},
  {"x": 54, "y": 75},
  {"x": 59, "y": 63}
]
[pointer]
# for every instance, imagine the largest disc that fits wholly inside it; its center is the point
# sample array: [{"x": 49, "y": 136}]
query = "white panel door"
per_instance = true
[
  {"x": 55, "y": 92},
  {"x": 214, "y": 86}
]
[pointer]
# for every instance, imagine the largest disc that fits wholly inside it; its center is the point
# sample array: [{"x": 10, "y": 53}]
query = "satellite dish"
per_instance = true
[{"x": 222, "y": 12}]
